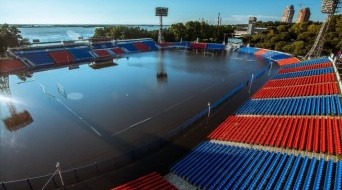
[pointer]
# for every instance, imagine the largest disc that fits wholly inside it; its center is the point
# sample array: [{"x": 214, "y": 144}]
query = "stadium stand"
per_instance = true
[
  {"x": 11, "y": 65},
  {"x": 296, "y": 91},
  {"x": 301, "y": 81},
  {"x": 300, "y": 133},
  {"x": 260, "y": 52},
  {"x": 61, "y": 57},
  {"x": 281, "y": 56},
  {"x": 102, "y": 53},
  {"x": 117, "y": 50},
  {"x": 217, "y": 166},
  {"x": 198, "y": 45},
  {"x": 81, "y": 53},
  {"x": 249, "y": 50},
  {"x": 308, "y": 62},
  {"x": 129, "y": 47},
  {"x": 287, "y": 61},
  {"x": 38, "y": 58},
  {"x": 141, "y": 46},
  {"x": 322, "y": 105},
  {"x": 212, "y": 46},
  {"x": 305, "y": 73},
  {"x": 151, "y": 44},
  {"x": 304, "y": 68},
  {"x": 102, "y": 45},
  {"x": 152, "y": 181}
]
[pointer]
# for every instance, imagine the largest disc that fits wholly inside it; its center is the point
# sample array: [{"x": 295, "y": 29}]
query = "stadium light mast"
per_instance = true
[
  {"x": 161, "y": 12},
  {"x": 329, "y": 7}
]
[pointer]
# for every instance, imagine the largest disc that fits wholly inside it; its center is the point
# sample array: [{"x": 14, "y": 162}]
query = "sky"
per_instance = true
[{"x": 142, "y": 11}]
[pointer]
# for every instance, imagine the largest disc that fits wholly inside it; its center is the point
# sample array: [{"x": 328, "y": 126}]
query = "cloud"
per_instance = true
[{"x": 243, "y": 19}]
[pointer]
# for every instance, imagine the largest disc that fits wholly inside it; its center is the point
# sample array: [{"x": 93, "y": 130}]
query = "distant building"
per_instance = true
[
  {"x": 249, "y": 29},
  {"x": 304, "y": 15},
  {"x": 288, "y": 14},
  {"x": 251, "y": 25},
  {"x": 239, "y": 32}
]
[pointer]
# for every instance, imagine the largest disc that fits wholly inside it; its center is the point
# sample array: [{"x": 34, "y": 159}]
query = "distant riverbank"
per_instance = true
[
  {"x": 52, "y": 33},
  {"x": 84, "y": 25}
]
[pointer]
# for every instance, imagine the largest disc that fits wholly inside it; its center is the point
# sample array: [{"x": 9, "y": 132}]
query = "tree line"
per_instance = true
[
  {"x": 298, "y": 38},
  {"x": 189, "y": 31}
]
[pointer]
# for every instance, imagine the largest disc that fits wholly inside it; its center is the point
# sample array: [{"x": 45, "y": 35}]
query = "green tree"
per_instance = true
[
  {"x": 279, "y": 46},
  {"x": 298, "y": 38},
  {"x": 179, "y": 31},
  {"x": 9, "y": 37}
]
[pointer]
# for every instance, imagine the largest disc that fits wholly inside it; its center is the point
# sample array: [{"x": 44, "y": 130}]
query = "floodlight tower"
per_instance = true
[
  {"x": 16, "y": 120},
  {"x": 161, "y": 12},
  {"x": 329, "y": 7}
]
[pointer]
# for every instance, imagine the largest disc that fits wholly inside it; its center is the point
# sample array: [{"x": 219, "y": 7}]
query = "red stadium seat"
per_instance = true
[{"x": 61, "y": 57}]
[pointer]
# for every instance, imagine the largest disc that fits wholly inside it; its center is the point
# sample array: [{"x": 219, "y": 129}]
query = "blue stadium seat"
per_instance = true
[
  {"x": 38, "y": 58},
  {"x": 294, "y": 170},
  {"x": 308, "y": 181},
  {"x": 269, "y": 172},
  {"x": 304, "y": 73},
  {"x": 338, "y": 176},
  {"x": 211, "y": 46},
  {"x": 258, "y": 165},
  {"x": 217, "y": 166},
  {"x": 281, "y": 56},
  {"x": 276, "y": 173},
  {"x": 322, "y": 105},
  {"x": 328, "y": 175},
  {"x": 81, "y": 54},
  {"x": 152, "y": 44},
  {"x": 245, "y": 171},
  {"x": 284, "y": 173},
  {"x": 249, "y": 50},
  {"x": 128, "y": 46},
  {"x": 319, "y": 172},
  {"x": 300, "y": 176}
]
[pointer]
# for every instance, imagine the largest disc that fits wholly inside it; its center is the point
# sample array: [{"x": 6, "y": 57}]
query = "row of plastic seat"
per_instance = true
[
  {"x": 198, "y": 45},
  {"x": 103, "y": 45},
  {"x": 131, "y": 46},
  {"x": 84, "y": 53},
  {"x": 62, "y": 57},
  {"x": 141, "y": 46},
  {"x": 307, "y": 62},
  {"x": 274, "y": 55},
  {"x": 102, "y": 53},
  {"x": 304, "y": 73},
  {"x": 217, "y": 166},
  {"x": 287, "y": 61},
  {"x": 297, "y": 91},
  {"x": 248, "y": 50},
  {"x": 312, "y": 134},
  {"x": 81, "y": 54},
  {"x": 315, "y": 79},
  {"x": 260, "y": 52},
  {"x": 281, "y": 56},
  {"x": 324, "y": 105},
  {"x": 152, "y": 181},
  {"x": 304, "y": 68},
  {"x": 58, "y": 56},
  {"x": 212, "y": 46},
  {"x": 38, "y": 58}
]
